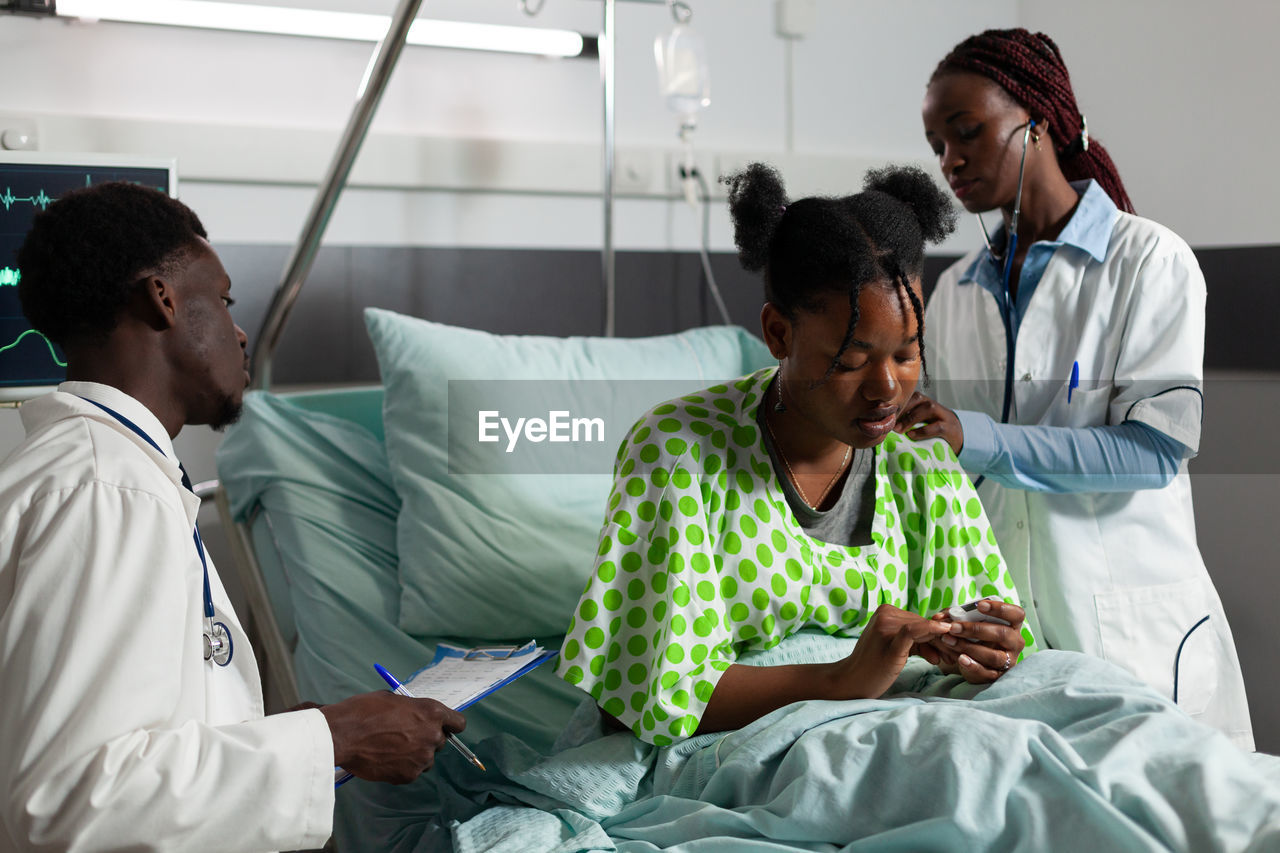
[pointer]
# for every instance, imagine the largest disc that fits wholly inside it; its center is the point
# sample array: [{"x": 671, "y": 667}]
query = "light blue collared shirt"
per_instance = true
[
  {"x": 1088, "y": 230},
  {"x": 1123, "y": 457}
]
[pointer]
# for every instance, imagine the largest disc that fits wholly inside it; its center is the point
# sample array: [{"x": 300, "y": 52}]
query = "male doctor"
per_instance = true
[{"x": 123, "y": 722}]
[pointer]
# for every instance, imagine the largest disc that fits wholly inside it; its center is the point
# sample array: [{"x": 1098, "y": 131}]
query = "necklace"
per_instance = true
[{"x": 848, "y": 452}]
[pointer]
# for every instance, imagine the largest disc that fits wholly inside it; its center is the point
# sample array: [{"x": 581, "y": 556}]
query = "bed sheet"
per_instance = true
[
  {"x": 1064, "y": 752},
  {"x": 325, "y": 530}
]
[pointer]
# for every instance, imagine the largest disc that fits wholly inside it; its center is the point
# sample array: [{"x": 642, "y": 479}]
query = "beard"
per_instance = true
[{"x": 229, "y": 409}]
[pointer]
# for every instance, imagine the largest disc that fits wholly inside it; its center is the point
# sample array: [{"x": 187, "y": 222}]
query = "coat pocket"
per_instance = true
[
  {"x": 1167, "y": 635},
  {"x": 1087, "y": 407}
]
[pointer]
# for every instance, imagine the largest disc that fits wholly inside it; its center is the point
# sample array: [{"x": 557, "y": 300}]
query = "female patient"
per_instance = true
[{"x": 746, "y": 512}]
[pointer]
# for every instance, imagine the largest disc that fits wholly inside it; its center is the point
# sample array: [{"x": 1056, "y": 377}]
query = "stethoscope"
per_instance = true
[
  {"x": 1011, "y": 247},
  {"x": 218, "y": 646}
]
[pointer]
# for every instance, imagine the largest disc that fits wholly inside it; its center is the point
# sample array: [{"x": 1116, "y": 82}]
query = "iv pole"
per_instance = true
[
  {"x": 383, "y": 61},
  {"x": 607, "y": 255},
  {"x": 378, "y": 73}
]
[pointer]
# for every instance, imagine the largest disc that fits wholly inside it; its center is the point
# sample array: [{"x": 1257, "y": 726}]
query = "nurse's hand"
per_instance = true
[
  {"x": 981, "y": 652},
  {"x": 384, "y": 737},
  {"x": 938, "y": 421}
]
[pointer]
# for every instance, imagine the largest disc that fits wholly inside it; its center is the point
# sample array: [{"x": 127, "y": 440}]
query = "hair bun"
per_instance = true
[
  {"x": 757, "y": 201},
  {"x": 914, "y": 188}
]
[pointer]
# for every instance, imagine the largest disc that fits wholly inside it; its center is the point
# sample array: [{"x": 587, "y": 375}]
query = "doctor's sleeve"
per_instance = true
[
  {"x": 102, "y": 744},
  {"x": 1160, "y": 366}
]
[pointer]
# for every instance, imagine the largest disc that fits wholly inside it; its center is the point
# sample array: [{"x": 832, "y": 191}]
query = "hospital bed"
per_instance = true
[
  {"x": 369, "y": 548},
  {"x": 359, "y": 539},
  {"x": 325, "y": 491}
]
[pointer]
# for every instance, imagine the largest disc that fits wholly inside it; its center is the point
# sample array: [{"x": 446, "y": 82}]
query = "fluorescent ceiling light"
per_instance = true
[{"x": 280, "y": 20}]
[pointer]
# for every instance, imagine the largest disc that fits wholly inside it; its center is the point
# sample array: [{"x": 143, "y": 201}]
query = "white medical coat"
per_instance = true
[
  {"x": 1117, "y": 575},
  {"x": 114, "y": 731}
]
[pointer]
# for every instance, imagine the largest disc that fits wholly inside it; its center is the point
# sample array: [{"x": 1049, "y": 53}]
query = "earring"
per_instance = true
[
  {"x": 779, "y": 406},
  {"x": 1035, "y": 137}
]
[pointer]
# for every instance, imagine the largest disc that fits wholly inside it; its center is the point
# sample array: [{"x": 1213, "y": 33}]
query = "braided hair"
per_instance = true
[
  {"x": 1029, "y": 67},
  {"x": 819, "y": 245}
]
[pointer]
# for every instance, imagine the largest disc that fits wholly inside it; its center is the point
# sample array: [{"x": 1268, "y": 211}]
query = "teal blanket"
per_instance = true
[{"x": 1064, "y": 752}]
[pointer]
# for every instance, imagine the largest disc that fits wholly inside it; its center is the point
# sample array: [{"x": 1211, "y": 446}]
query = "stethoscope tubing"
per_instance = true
[{"x": 1006, "y": 271}]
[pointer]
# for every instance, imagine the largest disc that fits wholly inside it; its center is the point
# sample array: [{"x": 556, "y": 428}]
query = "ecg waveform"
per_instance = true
[
  {"x": 10, "y": 277},
  {"x": 52, "y": 353},
  {"x": 41, "y": 199}
]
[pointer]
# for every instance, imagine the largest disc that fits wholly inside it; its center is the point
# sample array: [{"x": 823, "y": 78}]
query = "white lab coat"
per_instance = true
[
  {"x": 115, "y": 733},
  {"x": 1117, "y": 575}
]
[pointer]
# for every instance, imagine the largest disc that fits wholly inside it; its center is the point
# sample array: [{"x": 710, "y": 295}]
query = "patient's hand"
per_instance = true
[
  {"x": 890, "y": 638},
  {"x": 980, "y": 651}
]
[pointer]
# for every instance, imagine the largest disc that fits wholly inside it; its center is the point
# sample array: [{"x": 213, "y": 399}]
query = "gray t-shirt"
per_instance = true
[{"x": 848, "y": 522}]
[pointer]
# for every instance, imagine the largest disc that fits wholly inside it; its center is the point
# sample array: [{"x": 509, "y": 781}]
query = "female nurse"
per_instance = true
[{"x": 1067, "y": 362}]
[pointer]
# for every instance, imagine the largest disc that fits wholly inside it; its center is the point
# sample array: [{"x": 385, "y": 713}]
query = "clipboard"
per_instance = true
[{"x": 459, "y": 677}]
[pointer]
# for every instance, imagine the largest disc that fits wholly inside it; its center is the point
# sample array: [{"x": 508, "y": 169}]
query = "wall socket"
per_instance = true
[
  {"x": 633, "y": 172},
  {"x": 795, "y": 19},
  {"x": 703, "y": 161}
]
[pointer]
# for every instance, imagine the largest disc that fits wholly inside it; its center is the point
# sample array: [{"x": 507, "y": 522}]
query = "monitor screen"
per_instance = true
[{"x": 29, "y": 182}]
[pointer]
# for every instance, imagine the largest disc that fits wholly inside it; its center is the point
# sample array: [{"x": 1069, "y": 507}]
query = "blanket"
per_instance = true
[{"x": 1063, "y": 752}]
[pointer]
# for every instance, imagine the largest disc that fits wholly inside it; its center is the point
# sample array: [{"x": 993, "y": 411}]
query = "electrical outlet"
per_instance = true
[
  {"x": 795, "y": 19},
  {"x": 702, "y": 161},
  {"x": 633, "y": 172}
]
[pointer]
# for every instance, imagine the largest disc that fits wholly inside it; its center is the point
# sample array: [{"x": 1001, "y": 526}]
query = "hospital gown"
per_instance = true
[{"x": 701, "y": 559}]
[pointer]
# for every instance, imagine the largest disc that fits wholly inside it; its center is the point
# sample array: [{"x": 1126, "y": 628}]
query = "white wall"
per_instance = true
[
  {"x": 245, "y": 113},
  {"x": 1181, "y": 94},
  {"x": 253, "y": 119}
]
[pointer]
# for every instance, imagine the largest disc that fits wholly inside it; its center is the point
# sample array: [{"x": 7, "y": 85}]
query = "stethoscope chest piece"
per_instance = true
[{"x": 217, "y": 644}]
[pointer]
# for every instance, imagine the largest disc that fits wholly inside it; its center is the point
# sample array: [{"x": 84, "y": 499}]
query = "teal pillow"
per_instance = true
[{"x": 496, "y": 537}]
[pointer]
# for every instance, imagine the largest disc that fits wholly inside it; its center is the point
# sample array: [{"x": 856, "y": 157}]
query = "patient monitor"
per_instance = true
[{"x": 29, "y": 182}]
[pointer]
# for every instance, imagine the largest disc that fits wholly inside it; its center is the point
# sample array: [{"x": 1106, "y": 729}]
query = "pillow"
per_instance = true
[{"x": 500, "y": 517}]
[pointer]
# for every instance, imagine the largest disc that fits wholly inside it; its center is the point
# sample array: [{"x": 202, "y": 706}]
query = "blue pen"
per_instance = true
[
  {"x": 1075, "y": 379},
  {"x": 397, "y": 687}
]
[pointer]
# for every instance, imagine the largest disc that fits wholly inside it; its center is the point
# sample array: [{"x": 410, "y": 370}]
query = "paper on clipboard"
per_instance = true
[{"x": 458, "y": 677}]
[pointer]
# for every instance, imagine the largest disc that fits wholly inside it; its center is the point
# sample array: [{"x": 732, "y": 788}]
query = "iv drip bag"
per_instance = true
[{"x": 682, "y": 72}]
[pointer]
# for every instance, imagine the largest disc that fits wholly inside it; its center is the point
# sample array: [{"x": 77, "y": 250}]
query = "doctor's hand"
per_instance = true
[
  {"x": 384, "y": 737},
  {"x": 892, "y": 636},
  {"x": 981, "y": 652},
  {"x": 937, "y": 419}
]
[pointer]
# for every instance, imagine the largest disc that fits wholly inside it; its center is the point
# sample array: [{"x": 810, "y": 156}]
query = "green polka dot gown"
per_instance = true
[{"x": 701, "y": 559}]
